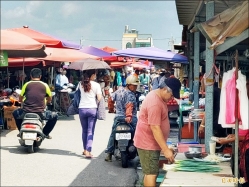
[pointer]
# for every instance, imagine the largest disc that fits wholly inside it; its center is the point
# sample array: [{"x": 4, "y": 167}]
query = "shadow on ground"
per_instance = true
[
  {"x": 102, "y": 173},
  {"x": 4, "y": 132},
  {"x": 23, "y": 150}
]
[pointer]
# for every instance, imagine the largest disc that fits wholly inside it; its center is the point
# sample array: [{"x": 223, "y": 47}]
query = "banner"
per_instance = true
[{"x": 3, "y": 59}]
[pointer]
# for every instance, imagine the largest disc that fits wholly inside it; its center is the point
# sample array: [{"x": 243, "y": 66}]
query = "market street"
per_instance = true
[{"x": 59, "y": 162}]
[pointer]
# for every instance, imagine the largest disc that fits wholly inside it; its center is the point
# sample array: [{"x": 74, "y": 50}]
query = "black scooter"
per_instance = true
[{"x": 124, "y": 146}]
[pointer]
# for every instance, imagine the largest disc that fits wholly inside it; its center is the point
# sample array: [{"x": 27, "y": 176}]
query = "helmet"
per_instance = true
[
  {"x": 7, "y": 92},
  {"x": 132, "y": 80}
]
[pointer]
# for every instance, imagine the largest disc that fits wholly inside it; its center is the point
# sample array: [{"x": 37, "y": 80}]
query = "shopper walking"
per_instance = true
[{"x": 88, "y": 109}]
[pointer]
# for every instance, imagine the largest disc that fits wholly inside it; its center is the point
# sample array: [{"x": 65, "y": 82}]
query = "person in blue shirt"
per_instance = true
[
  {"x": 125, "y": 109},
  {"x": 144, "y": 78},
  {"x": 123, "y": 79}
]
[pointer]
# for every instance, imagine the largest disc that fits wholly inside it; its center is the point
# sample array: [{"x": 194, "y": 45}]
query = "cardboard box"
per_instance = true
[{"x": 8, "y": 117}]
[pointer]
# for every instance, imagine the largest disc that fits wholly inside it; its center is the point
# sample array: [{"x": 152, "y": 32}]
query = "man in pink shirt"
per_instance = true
[{"x": 153, "y": 129}]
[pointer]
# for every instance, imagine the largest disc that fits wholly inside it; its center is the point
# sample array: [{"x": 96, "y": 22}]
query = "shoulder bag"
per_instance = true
[{"x": 74, "y": 106}]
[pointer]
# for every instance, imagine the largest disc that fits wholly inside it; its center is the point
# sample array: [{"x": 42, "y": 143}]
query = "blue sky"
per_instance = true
[{"x": 97, "y": 23}]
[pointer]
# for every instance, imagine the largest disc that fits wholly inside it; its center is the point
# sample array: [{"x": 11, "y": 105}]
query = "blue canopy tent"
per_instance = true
[
  {"x": 95, "y": 51},
  {"x": 152, "y": 53}
]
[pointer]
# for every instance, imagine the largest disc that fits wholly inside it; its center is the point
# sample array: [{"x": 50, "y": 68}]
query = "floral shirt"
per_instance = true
[{"x": 122, "y": 97}]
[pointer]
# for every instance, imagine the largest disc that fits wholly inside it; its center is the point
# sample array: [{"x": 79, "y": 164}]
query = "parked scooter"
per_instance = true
[
  {"x": 124, "y": 145},
  {"x": 31, "y": 132}
]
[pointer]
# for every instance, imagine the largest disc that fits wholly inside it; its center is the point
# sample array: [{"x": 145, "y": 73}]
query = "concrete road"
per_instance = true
[{"x": 59, "y": 161}]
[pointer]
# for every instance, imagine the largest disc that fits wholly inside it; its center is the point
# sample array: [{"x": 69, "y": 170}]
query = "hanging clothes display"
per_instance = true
[
  {"x": 230, "y": 95},
  {"x": 227, "y": 100}
]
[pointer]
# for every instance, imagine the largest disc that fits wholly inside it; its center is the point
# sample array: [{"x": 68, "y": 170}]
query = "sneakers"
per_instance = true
[
  {"x": 108, "y": 157},
  {"x": 139, "y": 167},
  {"x": 48, "y": 137}
]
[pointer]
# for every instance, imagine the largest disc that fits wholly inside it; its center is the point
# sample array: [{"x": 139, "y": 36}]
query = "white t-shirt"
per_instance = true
[
  {"x": 64, "y": 80},
  {"x": 88, "y": 99}
]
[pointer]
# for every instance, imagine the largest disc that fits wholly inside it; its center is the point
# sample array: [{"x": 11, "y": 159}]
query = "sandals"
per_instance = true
[{"x": 89, "y": 155}]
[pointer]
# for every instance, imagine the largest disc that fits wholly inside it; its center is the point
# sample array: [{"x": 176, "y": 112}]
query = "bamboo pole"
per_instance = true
[
  {"x": 8, "y": 78},
  {"x": 22, "y": 71}
]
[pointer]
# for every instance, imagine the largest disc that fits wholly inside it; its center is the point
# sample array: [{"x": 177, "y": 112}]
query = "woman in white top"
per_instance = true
[{"x": 88, "y": 109}]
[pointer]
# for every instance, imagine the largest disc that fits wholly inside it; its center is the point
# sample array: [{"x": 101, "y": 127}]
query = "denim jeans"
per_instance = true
[
  {"x": 110, "y": 145},
  {"x": 52, "y": 117}
]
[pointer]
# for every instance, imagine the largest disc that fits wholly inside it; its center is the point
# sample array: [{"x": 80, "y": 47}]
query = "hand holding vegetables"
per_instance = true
[{"x": 169, "y": 154}]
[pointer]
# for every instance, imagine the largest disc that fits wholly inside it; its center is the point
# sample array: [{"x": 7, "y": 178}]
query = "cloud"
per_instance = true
[
  {"x": 100, "y": 23},
  {"x": 32, "y": 6},
  {"x": 70, "y": 8}
]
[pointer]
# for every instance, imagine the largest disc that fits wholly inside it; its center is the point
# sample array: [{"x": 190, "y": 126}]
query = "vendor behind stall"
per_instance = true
[{"x": 218, "y": 130}]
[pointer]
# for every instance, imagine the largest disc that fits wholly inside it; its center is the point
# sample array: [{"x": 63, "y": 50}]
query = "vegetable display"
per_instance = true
[{"x": 193, "y": 166}]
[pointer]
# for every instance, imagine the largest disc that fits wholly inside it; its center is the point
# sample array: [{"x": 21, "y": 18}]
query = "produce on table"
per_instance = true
[
  {"x": 172, "y": 102},
  {"x": 192, "y": 166}
]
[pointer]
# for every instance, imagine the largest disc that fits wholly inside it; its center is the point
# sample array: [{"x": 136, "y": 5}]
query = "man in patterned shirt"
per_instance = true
[{"x": 125, "y": 109}]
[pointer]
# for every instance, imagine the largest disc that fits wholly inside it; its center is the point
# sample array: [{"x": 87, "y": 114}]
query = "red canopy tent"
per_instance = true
[
  {"x": 18, "y": 62},
  {"x": 46, "y": 39},
  {"x": 19, "y": 45},
  {"x": 65, "y": 55}
]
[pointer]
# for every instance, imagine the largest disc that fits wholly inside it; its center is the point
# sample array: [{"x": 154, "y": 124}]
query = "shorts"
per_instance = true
[{"x": 149, "y": 160}]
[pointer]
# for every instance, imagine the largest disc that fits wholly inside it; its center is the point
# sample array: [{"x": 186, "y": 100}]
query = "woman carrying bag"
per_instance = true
[{"x": 89, "y": 90}]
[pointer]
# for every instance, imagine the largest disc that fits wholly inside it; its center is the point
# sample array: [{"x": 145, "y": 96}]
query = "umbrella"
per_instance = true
[
  {"x": 108, "y": 49},
  {"x": 95, "y": 51},
  {"x": 50, "y": 41},
  {"x": 152, "y": 53},
  {"x": 18, "y": 62},
  {"x": 106, "y": 56},
  {"x": 19, "y": 45},
  {"x": 65, "y": 55},
  {"x": 119, "y": 64},
  {"x": 139, "y": 66},
  {"x": 87, "y": 64}
]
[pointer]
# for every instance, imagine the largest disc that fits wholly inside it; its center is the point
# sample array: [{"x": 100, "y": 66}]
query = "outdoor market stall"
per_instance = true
[{"x": 223, "y": 176}]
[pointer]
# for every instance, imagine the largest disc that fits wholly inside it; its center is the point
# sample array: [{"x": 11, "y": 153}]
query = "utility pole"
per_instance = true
[
  {"x": 81, "y": 41},
  {"x": 171, "y": 43}
]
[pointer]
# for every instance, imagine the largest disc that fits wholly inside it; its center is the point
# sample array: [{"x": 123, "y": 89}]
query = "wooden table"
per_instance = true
[{"x": 180, "y": 178}]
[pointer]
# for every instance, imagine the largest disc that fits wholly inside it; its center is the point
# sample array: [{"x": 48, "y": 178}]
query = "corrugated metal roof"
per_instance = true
[{"x": 188, "y": 9}]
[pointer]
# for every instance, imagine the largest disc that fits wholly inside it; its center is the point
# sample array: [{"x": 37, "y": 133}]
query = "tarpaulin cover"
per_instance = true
[{"x": 229, "y": 23}]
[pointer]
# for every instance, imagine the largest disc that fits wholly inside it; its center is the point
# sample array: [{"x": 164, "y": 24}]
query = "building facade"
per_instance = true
[{"x": 131, "y": 39}]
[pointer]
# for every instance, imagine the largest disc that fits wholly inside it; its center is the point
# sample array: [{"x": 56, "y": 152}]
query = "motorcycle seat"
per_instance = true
[
  {"x": 121, "y": 121},
  {"x": 32, "y": 116}
]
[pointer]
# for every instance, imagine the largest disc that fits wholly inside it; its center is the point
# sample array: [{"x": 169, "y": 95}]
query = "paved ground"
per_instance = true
[{"x": 59, "y": 162}]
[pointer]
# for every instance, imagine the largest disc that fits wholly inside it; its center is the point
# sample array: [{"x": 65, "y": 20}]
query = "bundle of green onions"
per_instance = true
[{"x": 193, "y": 166}]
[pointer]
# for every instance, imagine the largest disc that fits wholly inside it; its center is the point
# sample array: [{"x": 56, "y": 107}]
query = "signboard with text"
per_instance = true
[{"x": 3, "y": 58}]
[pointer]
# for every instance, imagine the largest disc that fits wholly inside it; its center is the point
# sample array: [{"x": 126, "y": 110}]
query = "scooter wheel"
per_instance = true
[
  {"x": 124, "y": 159},
  {"x": 30, "y": 148}
]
